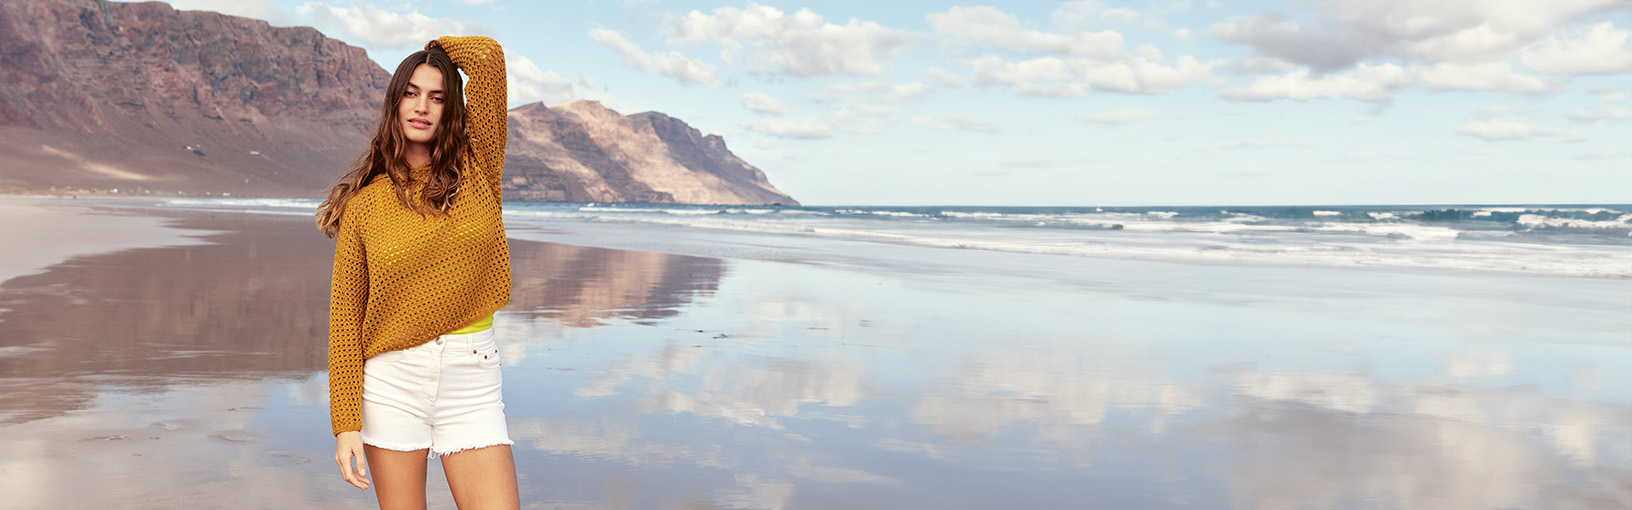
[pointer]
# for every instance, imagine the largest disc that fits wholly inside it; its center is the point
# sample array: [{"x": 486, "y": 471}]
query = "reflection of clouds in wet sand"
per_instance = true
[
  {"x": 607, "y": 441},
  {"x": 1056, "y": 392},
  {"x": 756, "y": 396},
  {"x": 1319, "y": 440},
  {"x": 197, "y": 443},
  {"x": 673, "y": 360}
]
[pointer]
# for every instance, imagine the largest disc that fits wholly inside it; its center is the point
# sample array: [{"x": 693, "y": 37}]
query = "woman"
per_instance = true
[{"x": 420, "y": 266}]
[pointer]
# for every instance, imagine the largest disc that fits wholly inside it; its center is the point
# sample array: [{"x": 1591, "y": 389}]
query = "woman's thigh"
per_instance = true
[
  {"x": 399, "y": 477},
  {"x": 483, "y": 478}
]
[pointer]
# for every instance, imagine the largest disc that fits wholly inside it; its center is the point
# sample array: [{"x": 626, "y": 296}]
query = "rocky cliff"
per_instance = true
[
  {"x": 583, "y": 152},
  {"x": 143, "y": 98}
]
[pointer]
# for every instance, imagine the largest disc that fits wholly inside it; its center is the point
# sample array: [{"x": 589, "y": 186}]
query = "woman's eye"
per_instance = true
[
  {"x": 438, "y": 99},
  {"x": 408, "y": 94}
]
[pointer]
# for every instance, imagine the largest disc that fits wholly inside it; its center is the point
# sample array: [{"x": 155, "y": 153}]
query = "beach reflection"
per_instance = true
[
  {"x": 641, "y": 380},
  {"x": 253, "y": 303}
]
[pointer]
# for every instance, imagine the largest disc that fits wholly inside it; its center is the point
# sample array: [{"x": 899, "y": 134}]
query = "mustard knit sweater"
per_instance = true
[{"x": 402, "y": 279}]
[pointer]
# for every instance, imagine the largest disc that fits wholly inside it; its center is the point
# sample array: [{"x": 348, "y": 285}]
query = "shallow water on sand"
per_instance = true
[{"x": 168, "y": 377}]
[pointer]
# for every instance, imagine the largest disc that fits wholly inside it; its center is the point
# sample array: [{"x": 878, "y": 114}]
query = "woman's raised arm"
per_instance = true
[{"x": 482, "y": 59}]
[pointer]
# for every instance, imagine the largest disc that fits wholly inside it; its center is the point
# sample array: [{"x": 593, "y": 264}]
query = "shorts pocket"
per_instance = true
[{"x": 487, "y": 356}]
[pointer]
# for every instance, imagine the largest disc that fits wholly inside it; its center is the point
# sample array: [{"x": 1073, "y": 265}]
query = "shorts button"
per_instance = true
[{"x": 438, "y": 341}]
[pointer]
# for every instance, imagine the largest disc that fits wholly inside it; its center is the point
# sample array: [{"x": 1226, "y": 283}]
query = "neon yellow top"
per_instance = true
[{"x": 482, "y": 324}]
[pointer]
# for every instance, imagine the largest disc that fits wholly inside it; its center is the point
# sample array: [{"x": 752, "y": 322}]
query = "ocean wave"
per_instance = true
[{"x": 1539, "y": 221}]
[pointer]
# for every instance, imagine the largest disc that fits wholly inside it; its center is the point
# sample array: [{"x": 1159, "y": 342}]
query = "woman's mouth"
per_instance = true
[{"x": 420, "y": 123}]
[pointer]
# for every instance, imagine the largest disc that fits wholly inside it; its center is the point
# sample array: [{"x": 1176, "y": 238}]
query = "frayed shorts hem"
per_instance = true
[
  {"x": 398, "y": 447},
  {"x": 438, "y": 452}
]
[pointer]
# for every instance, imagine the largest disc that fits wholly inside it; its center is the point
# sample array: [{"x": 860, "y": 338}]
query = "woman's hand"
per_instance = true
[{"x": 347, "y": 446}]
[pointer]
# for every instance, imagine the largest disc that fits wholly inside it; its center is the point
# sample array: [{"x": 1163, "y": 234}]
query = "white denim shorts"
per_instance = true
[{"x": 443, "y": 396}]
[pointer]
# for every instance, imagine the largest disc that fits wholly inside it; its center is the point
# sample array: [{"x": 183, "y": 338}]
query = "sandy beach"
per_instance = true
[{"x": 158, "y": 358}]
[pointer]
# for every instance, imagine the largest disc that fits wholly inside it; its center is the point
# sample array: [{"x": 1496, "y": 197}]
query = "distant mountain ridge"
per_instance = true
[{"x": 140, "y": 96}]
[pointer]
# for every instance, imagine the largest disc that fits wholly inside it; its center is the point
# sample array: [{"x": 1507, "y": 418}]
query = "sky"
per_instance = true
[{"x": 1082, "y": 103}]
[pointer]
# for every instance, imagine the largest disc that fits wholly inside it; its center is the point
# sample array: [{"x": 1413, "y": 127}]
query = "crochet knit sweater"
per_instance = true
[{"x": 402, "y": 279}]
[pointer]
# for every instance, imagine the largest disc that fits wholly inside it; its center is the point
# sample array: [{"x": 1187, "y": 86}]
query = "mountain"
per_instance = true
[
  {"x": 141, "y": 97},
  {"x": 583, "y": 152}
]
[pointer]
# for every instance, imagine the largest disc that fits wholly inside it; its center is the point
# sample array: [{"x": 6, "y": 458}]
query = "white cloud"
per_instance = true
[
  {"x": 989, "y": 26},
  {"x": 762, "y": 103},
  {"x": 958, "y": 122},
  {"x": 1602, "y": 112},
  {"x": 1497, "y": 129},
  {"x": 688, "y": 71},
  {"x": 1374, "y": 83},
  {"x": 258, "y": 9},
  {"x": 1119, "y": 116},
  {"x": 1456, "y": 31},
  {"x": 1075, "y": 65},
  {"x": 1379, "y": 83},
  {"x": 1496, "y": 76},
  {"x": 1599, "y": 49},
  {"x": 527, "y": 83},
  {"x": 376, "y": 27},
  {"x": 799, "y": 44},
  {"x": 1182, "y": 34}
]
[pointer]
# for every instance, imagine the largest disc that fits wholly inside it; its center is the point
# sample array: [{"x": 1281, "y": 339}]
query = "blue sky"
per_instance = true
[{"x": 1088, "y": 103}]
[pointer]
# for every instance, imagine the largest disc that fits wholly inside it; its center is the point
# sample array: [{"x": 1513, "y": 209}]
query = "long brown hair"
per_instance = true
[{"x": 385, "y": 152}]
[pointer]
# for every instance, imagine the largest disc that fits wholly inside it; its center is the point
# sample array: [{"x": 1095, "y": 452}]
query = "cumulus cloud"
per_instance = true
[
  {"x": 1119, "y": 116},
  {"x": 799, "y": 44},
  {"x": 1345, "y": 32},
  {"x": 1598, "y": 49},
  {"x": 989, "y": 26},
  {"x": 688, "y": 71},
  {"x": 956, "y": 123},
  {"x": 762, "y": 103},
  {"x": 1074, "y": 64},
  {"x": 380, "y": 28},
  {"x": 527, "y": 83}
]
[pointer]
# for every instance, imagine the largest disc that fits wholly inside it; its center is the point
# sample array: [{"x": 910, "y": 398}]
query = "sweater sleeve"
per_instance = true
[
  {"x": 348, "y": 296},
  {"x": 482, "y": 59}
]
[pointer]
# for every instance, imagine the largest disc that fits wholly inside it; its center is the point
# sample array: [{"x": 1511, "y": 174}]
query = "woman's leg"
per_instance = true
[
  {"x": 481, "y": 479},
  {"x": 399, "y": 477}
]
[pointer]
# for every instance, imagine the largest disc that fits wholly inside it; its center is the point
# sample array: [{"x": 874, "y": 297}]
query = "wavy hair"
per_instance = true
[{"x": 384, "y": 154}]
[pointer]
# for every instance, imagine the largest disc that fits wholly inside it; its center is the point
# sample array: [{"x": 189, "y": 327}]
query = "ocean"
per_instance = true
[{"x": 1589, "y": 240}]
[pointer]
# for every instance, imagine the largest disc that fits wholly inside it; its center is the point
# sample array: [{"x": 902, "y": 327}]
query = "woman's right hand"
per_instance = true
[{"x": 347, "y": 446}]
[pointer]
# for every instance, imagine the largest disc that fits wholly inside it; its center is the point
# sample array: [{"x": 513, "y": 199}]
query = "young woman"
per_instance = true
[{"x": 420, "y": 266}]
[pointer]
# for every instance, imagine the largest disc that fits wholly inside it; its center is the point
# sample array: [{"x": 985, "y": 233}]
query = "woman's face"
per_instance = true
[{"x": 420, "y": 110}]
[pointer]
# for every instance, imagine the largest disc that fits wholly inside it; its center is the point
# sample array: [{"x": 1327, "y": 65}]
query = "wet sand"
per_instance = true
[{"x": 169, "y": 373}]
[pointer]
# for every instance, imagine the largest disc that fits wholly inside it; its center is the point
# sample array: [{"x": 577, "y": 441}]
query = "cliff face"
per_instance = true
[
  {"x": 583, "y": 152},
  {"x": 143, "y": 97},
  {"x": 115, "y": 95}
]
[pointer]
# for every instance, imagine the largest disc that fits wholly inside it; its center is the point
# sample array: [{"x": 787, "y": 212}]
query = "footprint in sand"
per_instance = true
[
  {"x": 290, "y": 457},
  {"x": 115, "y": 437},
  {"x": 235, "y": 436}
]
